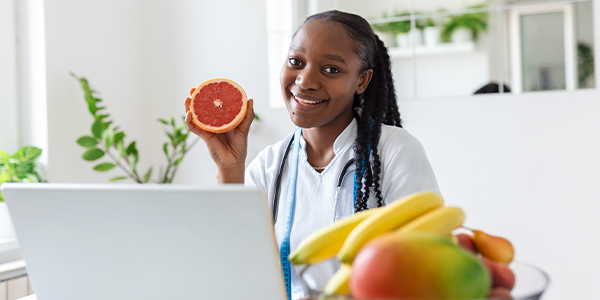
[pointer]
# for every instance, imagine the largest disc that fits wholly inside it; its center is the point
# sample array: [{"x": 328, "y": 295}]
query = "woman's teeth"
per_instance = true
[{"x": 307, "y": 101}]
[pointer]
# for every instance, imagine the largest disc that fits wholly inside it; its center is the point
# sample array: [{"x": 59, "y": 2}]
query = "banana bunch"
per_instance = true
[{"x": 424, "y": 211}]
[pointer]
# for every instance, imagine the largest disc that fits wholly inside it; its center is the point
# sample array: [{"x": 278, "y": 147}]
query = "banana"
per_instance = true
[
  {"x": 393, "y": 216},
  {"x": 441, "y": 220},
  {"x": 338, "y": 284},
  {"x": 326, "y": 242}
]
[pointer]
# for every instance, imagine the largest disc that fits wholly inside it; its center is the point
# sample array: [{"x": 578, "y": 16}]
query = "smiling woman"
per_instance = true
[{"x": 337, "y": 85}]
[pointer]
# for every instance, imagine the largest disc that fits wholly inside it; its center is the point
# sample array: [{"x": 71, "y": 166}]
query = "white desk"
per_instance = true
[{"x": 30, "y": 297}]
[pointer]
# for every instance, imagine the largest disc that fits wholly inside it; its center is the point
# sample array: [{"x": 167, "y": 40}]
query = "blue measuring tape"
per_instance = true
[{"x": 284, "y": 251}]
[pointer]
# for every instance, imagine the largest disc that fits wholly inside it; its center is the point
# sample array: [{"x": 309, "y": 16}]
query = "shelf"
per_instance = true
[{"x": 439, "y": 49}]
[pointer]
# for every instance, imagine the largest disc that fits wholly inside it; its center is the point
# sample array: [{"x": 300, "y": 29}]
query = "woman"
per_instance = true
[{"x": 338, "y": 89}]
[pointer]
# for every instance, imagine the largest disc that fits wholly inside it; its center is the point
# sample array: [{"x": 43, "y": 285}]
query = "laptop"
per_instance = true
[{"x": 131, "y": 241}]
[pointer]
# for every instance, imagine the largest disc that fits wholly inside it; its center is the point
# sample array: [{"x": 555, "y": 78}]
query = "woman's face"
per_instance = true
[{"x": 321, "y": 75}]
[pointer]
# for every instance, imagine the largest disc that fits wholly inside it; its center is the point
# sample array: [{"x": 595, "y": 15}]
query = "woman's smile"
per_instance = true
[{"x": 306, "y": 100}]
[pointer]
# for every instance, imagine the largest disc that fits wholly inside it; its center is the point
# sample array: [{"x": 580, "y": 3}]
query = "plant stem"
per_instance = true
[
  {"x": 130, "y": 174},
  {"x": 182, "y": 154}
]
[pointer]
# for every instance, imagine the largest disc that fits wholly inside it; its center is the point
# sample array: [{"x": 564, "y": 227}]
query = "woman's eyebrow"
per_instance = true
[
  {"x": 335, "y": 57},
  {"x": 327, "y": 56}
]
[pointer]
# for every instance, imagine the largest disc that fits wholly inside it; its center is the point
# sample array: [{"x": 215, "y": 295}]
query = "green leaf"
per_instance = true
[
  {"x": 100, "y": 117},
  {"x": 256, "y": 117},
  {"x": 147, "y": 175},
  {"x": 133, "y": 162},
  {"x": 165, "y": 149},
  {"x": 172, "y": 121},
  {"x": 184, "y": 137},
  {"x": 131, "y": 149},
  {"x": 119, "y": 136},
  {"x": 88, "y": 94},
  {"x": 28, "y": 154},
  {"x": 98, "y": 129},
  {"x": 103, "y": 167},
  {"x": 93, "y": 154},
  {"x": 108, "y": 136},
  {"x": 4, "y": 156},
  {"x": 31, "y": 177},
  {"x": 5, "y": 176},
  {"x": 87, "y": 141},
  {"x": 163, "y": 121},
  {"x": 118, "y": 178},
  {"x": 178, "y": 161},
  {"x": 171, "y": 138},
  {"x": 120, "y": 149}
]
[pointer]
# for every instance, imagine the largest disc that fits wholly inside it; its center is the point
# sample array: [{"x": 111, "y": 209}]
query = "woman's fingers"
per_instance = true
[
  {"x": 245, "y": 125},
  {"x": 192, "y": 90},
  {"x": 186, "y": 103},
  {"x": 191, "y": 126}
]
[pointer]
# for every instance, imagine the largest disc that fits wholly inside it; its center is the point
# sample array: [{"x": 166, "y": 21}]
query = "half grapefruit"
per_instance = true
[{"x": 218, "y": 105}]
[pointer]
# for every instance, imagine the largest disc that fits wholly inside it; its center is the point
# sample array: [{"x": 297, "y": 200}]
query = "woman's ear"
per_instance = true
[{"x": 363, "y": 81}]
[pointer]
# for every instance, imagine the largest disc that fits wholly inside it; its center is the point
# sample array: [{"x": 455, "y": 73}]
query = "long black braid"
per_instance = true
[{"x": 375, "y": 106}]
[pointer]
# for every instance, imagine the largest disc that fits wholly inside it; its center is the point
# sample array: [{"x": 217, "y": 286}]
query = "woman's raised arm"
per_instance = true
[{"x": 228, "y": 150}]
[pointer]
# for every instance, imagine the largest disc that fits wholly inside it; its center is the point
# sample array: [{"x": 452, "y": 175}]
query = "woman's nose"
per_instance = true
[{"x": 308, "y": 79}]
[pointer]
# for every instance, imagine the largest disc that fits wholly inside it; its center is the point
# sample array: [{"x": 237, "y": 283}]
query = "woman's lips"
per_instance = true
[{"x": 306, "y": 100}]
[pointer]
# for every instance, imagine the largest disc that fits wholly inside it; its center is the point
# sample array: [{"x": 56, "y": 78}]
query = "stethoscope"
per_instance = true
[{"x": 278, "y": 183}]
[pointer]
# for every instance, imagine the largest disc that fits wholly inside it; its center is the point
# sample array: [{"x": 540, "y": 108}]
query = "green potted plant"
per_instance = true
[
  {"x": 465, "y": 27},
  {"x": 20, "y": 167},
  {"x": 401, "y": 30},
  {"x": 585, "y": 65},
  {"x": 431, "y": 32},
  {"x": 384, "y": 34},
  {"x": 108, "y": 141}
]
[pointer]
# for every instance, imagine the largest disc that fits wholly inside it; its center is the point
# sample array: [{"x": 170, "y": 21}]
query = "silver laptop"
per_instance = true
[{"x": 117, "y": 241}]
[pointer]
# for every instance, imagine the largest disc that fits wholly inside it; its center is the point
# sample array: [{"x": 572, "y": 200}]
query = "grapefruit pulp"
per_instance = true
[{"x": 218, "y": 105}]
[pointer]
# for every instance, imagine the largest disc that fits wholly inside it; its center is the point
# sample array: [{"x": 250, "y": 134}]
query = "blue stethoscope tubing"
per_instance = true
[
  {"x": 278, "y": 181},
  {"x": 284, "y": 250}
]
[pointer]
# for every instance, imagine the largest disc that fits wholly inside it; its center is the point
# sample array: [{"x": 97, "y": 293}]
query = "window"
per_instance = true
[{"x": 456, "y": 48}]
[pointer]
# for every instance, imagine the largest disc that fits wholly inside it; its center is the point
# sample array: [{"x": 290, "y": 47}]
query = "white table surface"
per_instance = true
[{"x": 30, "y": 297}]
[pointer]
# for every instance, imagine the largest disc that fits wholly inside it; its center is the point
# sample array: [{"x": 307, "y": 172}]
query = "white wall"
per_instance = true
[
  {"x": 144, "y": 58},
  {"x": 525, "y": 167},
  {"x": 102, "y": 41}
]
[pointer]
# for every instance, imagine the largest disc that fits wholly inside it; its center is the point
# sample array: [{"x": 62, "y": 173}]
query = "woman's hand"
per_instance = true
[{"x": 228, "y": 150}]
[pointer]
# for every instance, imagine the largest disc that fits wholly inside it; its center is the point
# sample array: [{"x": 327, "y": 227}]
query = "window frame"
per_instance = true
[
  {"x": 515, "y": 43},
  {"x": 509, "y": 32},
  {"x": 9, "y": 139}
]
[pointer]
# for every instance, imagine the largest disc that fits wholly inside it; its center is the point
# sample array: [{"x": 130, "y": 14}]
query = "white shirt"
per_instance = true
[{"x": 405, "y": 169}]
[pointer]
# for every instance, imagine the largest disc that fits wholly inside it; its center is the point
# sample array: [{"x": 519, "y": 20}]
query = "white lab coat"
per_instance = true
[{"x": 405, "y": 169}]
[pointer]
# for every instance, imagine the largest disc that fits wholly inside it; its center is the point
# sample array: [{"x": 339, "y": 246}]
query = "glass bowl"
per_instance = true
[{"x": 531, "y": 282}]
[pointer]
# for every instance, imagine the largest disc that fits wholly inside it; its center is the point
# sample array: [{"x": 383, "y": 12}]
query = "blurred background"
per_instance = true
[{"x": 502, "y": 94}]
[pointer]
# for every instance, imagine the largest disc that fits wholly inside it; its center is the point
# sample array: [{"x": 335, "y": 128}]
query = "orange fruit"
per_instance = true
[{"x": 218, "y": 105}]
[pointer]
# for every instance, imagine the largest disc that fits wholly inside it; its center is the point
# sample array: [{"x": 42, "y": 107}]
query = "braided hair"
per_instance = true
[{"x": 375, "y": 106}]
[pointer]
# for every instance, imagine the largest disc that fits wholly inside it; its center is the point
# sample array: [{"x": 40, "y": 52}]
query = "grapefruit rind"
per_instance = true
[{"x": 226, "y": 127}]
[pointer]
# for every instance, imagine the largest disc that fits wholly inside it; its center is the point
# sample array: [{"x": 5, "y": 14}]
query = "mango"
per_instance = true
[
  {"x": 493, "y": 247},
  {"x": 417, "y": 265}
]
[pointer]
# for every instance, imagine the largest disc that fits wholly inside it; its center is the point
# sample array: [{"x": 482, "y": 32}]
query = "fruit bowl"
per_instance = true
[{"x": 531, "y": 282}]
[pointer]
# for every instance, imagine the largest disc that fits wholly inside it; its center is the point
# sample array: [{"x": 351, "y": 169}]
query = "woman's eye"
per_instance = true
[
  {"x": 331, "y": 70},
  {"x": 295, "y": 62}
]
